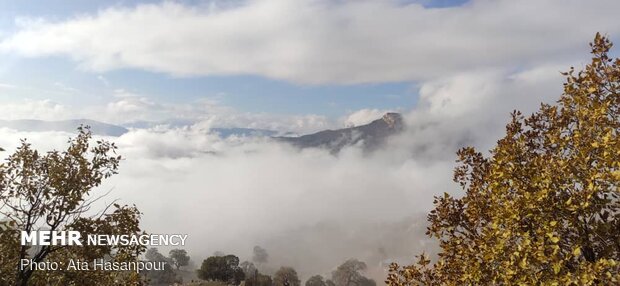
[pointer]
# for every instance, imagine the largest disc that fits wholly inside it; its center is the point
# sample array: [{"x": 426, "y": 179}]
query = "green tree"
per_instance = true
[
  {"x": 259, "y": 279},
  {"x": 286, "y": 276},
  {"x": 166, "y": 276},
  {"x": 51, "y": 191},
  {"x": 153, "y": 254},
  {"x": 544, "y": 207},
  {"x": 221, "y": 268},
  {"x": 350, "y": 273},
  {"x": 179, "y": 257},
  {"x": 248, "y": 269},
  {"x": 316, "y": 280},
  {"x": 253, "y": 277}
]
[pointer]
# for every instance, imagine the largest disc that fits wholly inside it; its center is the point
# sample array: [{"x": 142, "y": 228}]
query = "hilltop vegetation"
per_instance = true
[
  {"x": 52, "y": 191},
  {"x": 544, "y": 207}
]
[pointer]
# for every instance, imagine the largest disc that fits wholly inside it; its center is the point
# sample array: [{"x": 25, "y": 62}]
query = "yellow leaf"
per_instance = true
[
  {"x": 523, "y": 262},
  {"x": 556, "y": 268}
]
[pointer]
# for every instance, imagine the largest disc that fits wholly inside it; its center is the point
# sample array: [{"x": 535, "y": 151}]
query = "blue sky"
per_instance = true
[
  {"x": 247, "y": 93},
  {"x": 266, "y": 60},
  {"x": 244, "y": 92}
]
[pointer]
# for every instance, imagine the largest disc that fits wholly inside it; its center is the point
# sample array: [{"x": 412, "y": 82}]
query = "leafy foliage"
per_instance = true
[
  {"x": 51, "y": 191},
  {"x": 248, "y": 269},
  {"x": 153, "y": 254},
  {"x": 165, "y": 276},
  {"x": 221, "y": 268},
  {"x": 286, "y": 276},
  {"x": 544, "y": 208},
  {"x": 316, "y": 280},
  {"x": 350, "y": 273},
  {"x": 179, "y": 257},
  {"x": 259, "y": 280}
]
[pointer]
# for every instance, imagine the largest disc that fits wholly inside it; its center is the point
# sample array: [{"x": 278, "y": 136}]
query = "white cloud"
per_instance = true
[
  {"x": 363, "y": 116},
  {"x": 7, "y": 86},
  {"x": 321, "y": 41},
  {"x": 232, "y": 194},
  {"x": 103, "y": 80},
  {"x": 65, "y": 88},
  {"x": 34, "y": 109},
  {"x": 472, "y": 109},
  {"x": 130, "y": 103},
  {"x": 126, "y": 107}
]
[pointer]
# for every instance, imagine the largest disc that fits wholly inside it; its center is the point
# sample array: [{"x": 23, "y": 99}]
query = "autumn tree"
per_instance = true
[
  {"x": 286, "y": 276},
  {"x": 543, "y": 208},
  {"x": 52, "y": 191}
]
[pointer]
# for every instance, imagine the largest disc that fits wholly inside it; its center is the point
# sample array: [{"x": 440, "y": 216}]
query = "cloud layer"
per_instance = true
[
  {"x": 310, "y": 209},
  {"x": 133, "y": 110},
  {"x": 321, "y": 41},
  {"x": 473, "y": 64}
]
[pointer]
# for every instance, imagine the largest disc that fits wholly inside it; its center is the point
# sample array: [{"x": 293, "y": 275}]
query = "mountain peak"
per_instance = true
[
  {"x": 370, "y": 136},
  {"x": 394, "y": 120}
]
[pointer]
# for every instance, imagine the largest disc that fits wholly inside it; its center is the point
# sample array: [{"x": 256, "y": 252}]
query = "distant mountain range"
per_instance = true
[
  {"x": 222, "y": 132},
  {"x": 105, "y": 129},
  {"x": 32, "y": 125},
  {"x": 370, "y": 136},
  {"x": 244, "y": 132}
]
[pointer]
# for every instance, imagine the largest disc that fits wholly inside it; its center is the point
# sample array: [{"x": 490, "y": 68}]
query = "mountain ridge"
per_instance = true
[
  {"x": 371, "y": 136},
  {"x": 35, "y": 125}
]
